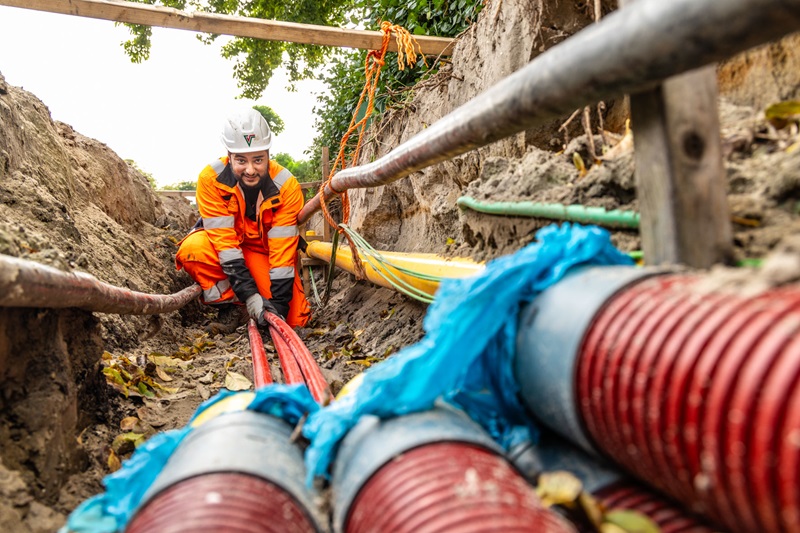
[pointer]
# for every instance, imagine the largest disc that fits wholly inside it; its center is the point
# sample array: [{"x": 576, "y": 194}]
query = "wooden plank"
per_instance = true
[
  {"x": 270, "y": 30},
  {"x": 183, "y": 194},
  {"x": 680, "y": 177},
  {"x": 326, "y": 169},
  {"x": 310, "y": 185}
]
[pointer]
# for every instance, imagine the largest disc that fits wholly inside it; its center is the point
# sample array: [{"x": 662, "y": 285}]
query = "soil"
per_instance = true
[{"x": 70, "y": 202}]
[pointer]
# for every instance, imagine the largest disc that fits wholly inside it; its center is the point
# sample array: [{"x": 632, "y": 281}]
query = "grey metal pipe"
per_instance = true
[
  {"x": 28, "y": 284},
  {"x": 629, "y": 51}
]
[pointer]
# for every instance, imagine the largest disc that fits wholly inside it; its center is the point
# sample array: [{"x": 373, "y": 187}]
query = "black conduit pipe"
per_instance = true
[
  {"x": 629, "y": 51},
  {"x": 28, "y": 284}
]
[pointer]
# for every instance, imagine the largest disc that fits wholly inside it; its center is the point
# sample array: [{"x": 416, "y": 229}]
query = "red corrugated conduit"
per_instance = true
[
  {"x": 230, "y": 502},
  {"x": 450, "y": 487},
  {"x": 261, "y": 371},
  {"x": 669, "y": 517},
  {"x": 698, "y": 394}
]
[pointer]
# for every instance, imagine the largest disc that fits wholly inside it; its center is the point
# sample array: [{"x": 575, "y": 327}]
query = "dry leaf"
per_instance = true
[
  {"x": 558, "y": 488},
  {"x": 127, "y": 442},
  {"x": 144, "y": 390},
  {"x": 165, "y": 360},
  {"x": 131, "y": 423},
  {"x": 162, "y": 374},
  {"x": 607, "y": 527},
  {"x": 782, "y": 113},
  {"x": 577, "y": 160},
  {"x": 235, "y": 381},
  {"x": 591, "y": 508},
  {"x": 113, "y": 462},
  {"x": 631, "y": 521}
]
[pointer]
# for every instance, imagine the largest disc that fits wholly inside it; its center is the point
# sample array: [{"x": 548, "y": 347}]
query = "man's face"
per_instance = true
[{"x": 250, "y": 169}]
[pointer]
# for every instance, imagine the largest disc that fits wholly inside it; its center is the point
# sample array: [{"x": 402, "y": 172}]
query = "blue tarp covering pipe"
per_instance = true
[{"x": 465, "y": 359}]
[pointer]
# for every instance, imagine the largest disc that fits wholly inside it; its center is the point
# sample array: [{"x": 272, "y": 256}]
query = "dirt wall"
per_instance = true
[{"x": 70, "y": 202}]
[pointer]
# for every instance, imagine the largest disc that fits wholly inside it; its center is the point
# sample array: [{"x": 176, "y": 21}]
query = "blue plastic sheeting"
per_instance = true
[
  {"x": 110, "y": 511},
  {"x": 466, "y": 355}
]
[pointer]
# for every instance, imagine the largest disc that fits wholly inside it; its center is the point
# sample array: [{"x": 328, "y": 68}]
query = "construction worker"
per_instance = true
[{"x": 243, "y": 250}]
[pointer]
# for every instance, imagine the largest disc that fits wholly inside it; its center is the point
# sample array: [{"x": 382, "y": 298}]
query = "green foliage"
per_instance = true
[
  {"x": 302, "y": 170},
  {"x": 182, "y": 186},
  {"x": 275, "y": 122},
  {"x": 444, "y": 18},
  {"x": 150, "y": 179},
  {"x": 255, "y": 59},
  {"x": 345, "y": 73}
]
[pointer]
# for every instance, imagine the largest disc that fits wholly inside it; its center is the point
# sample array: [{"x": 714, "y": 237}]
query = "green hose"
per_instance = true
[{"x": 573, "y": 213}]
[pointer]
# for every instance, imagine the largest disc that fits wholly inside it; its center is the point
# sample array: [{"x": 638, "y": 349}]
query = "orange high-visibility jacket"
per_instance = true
[{"x": 222, "y": 207}]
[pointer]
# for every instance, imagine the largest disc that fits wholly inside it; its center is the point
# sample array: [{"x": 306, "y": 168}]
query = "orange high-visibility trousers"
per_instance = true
[{"x": 199, "y": 259}]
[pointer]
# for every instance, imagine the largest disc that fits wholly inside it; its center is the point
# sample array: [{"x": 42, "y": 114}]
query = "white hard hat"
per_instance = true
[{"x": 245, "y": 132}]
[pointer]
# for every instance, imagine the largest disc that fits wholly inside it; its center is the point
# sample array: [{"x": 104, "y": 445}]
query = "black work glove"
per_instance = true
[{"x": 269, "y": 306}]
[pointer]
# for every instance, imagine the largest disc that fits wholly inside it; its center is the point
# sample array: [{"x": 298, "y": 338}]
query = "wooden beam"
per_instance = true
[
  {"x": 270, "y": 30},
  {"x": 182, "y": 194},
  {"x": 326, "y": 169},
  {"x": 680, "y": 178}
]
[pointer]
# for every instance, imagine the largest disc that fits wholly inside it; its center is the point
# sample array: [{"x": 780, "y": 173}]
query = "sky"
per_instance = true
[{"x": 165, "y": 114}]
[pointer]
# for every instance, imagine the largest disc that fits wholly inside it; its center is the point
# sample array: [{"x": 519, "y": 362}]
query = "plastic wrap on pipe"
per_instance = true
[
  {"x": 28, "y": 284},
  {"x": 629, "y": 51}
]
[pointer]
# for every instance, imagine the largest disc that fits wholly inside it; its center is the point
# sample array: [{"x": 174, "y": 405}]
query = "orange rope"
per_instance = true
[{"x": 372, "y": 68}]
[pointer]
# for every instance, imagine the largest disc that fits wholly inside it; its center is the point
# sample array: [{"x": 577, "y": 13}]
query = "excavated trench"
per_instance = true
[{"x": 81, "y": 389}]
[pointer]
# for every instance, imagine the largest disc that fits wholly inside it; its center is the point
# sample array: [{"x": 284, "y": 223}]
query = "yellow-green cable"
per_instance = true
[{"x": 373, "y": 257}]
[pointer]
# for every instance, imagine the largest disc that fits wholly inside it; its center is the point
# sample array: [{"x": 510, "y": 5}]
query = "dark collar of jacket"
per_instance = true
[{"x": 268, "y": 187}]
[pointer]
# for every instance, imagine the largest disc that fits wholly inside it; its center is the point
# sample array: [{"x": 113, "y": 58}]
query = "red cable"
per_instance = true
[
  {"x": 291, "y": 370},
  {"x": 302, "y": 357},
  {"x": 261, "y": 372}
]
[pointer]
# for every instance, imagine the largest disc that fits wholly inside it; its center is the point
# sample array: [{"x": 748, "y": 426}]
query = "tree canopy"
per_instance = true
[
  {"x": 275, "y": 122},
  {"x": 255, "y": 59},
  {"x": 181, "y": 186},
  {"x": 302, "y": 170}
]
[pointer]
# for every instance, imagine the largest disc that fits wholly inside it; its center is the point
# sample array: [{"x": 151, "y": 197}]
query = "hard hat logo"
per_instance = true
[{"x": 246, "y": 132}]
